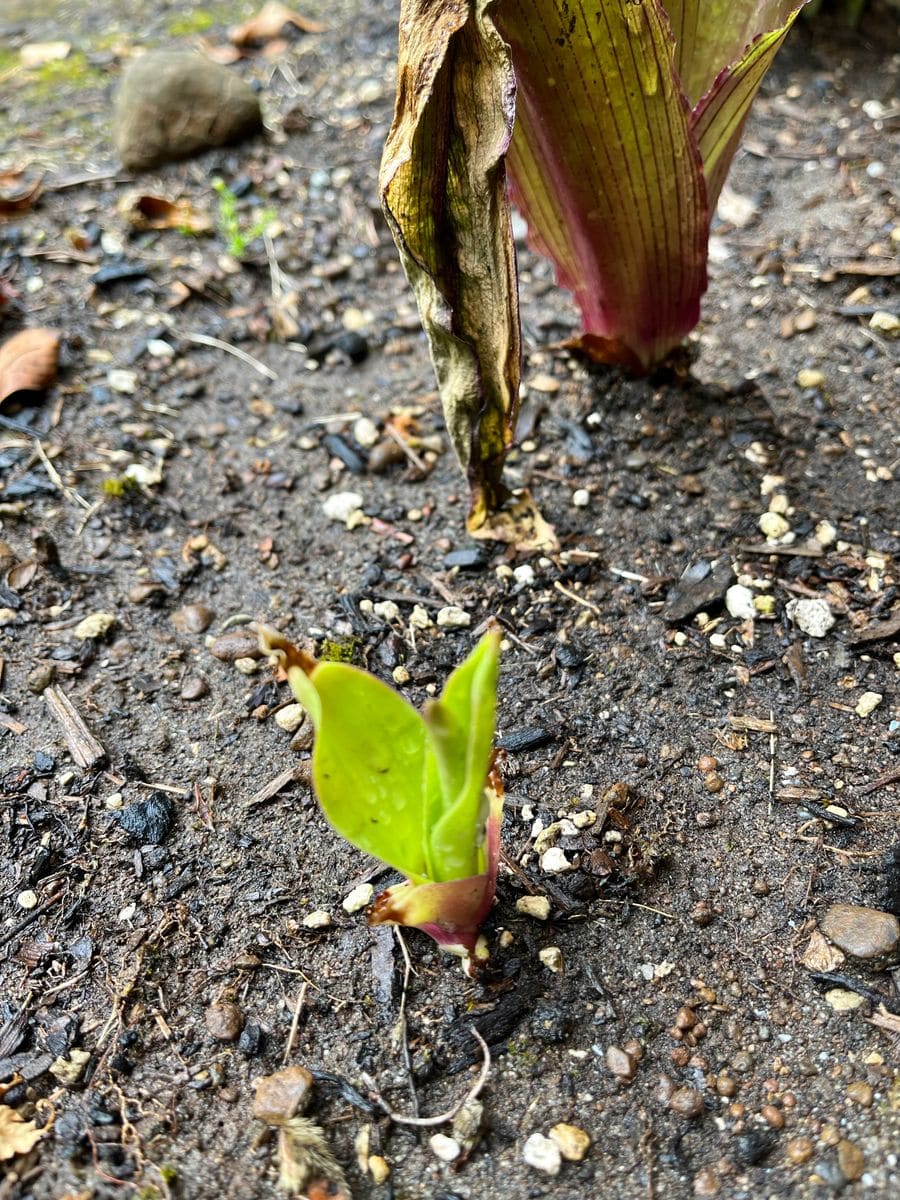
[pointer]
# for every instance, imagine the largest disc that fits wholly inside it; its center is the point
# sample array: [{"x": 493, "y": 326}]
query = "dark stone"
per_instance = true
[
  {"x": 702, "y": 586},
  {"x": 469, "y": 558},
  {"x": 149, "y": 821},
  {"x": 529, "y": 737}
]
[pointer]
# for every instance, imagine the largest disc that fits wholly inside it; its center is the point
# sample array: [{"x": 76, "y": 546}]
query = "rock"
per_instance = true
[
  {"x": 342, "y": 506},
  {"x": 554, "y": 861},
  {"x": 224, "y": 1021},
  {"x": 573, "y": 1142},
  {"x": 282, "y": 1096},
  {"x": 799, "y": 1150},
  {"x": 551, "y": 957},
  {"x": 773, "y": 525},
  {"x": 851, "y": 1160},
  {"x": 172, "y": 104},
  {"x": 739, "y": 602},
  {"x": 69, "y": 1069},
  {"x": 841, "y": 1000},
  {"x": 379, "y": 1168},
  {"x": 291, "y": 717},
  {"x": 813, "y": 617},
  {"x": 41, "y": 678},
  {"x": 700, "y": 586},
  {"x": 581, "y": 498},
  {"x": 686, "y": 1101},
  {"x": 860, "y": 1093},
  {"x": 235, "y": 644},
  {"x": 809, "y": 377},
  {"x": 865, "y": 934},
  {"x": 97, "y": 625},
  {"x": 358, "y": 898},
  {"x": 537, "y": 907},
  {"x": 447, "y": 1149},
  {"x": 194, "y": 687},
  {"x": 319, "y": 919},
  {"x": 867, "y": 703},
  {"x": 542, "y": 1154},
  {"x": 193, "y": 618},
  {"x": 620, "y": 1063},
  {"x": 453, "y": 617}
]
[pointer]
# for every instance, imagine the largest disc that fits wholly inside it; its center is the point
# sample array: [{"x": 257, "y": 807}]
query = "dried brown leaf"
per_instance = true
[
  {"x": 16, "y": 1135},
  {"x": 156, "y": 212},
  {"x": 19, "y": 576},
  {"x": 28, "y": 362},
  {"x": 269, "y": 23},
  {"x": 820, "y": 955}
]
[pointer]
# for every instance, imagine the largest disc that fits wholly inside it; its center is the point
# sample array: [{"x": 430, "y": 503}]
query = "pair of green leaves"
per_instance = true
[{"x": 406, "y": 787}]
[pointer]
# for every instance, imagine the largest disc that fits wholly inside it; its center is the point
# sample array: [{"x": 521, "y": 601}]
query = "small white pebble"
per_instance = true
[
  {"x": 366, "y": 432},
  {"x": 867, "y": 703},
  {"x": 537, "y": 907},
  {"x": 447, "y": 1149},
  {"x": 825, "y": 533},
  {"x": 718, "y": 641},
  {"x": 885, "y": 323},
  {"x": 400, "y": 675},
  {"x": 122, "y": 381},
  {"x": 319, "y": 919},
  {"x": 813, "y": 617},
  {"x": 247, "y": 666},
  {"x": 159, "y": 349},
  {"x": 581, "y": 498},
  {"x": 340, "y": 506},
  {"x": 810, "y": 378},
  {"x": 386, "y": 610},
  {"x": 554, "y": 861},
  {"x": 773, "y": 525},
  {"x": 27, "y": 899},
  {"x": 114, "y": 800},
  {"x": 419, "y": 618},
  {"x": 524, "y": 574},
  {"x": 358, "y": 899},
  {"x": 290, "y": 718},
  {"x": 584, "y": 818},
  {"x": 542, "y": 1154},
  {"x": 739, "y": 602},
  {"x": 453, "y": 617},
  {"x": 551, "y": 957}
]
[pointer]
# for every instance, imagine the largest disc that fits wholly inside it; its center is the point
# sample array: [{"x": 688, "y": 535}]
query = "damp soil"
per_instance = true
[{"x": 709, "y": 749}]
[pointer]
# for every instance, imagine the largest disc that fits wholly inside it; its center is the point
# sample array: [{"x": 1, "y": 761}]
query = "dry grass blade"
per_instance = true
[
  {"x": 83, "y": 746},
  {"x": 441, "y": 1118}
]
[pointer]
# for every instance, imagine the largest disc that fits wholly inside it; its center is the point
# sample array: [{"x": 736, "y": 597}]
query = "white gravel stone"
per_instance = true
[
  {"x": 551, "y": 957},
  {"x": 290, "y": 718},
  {"x": 419, "y": 618},
  {"x": 813, "y": 617},
  {"x": 581, "y": 498},
  {"x": 524, "y": 574},
  {"x": 319, "y": 919},
  {"x": 358, "y": 899},
  {"x": 386, "y": 610},
  {"x": 122, "y": 381},
  {"x": 739, "y": 602},
  {"x": 537, "y": 907},
  {"x": 542, "y": 1154},
  {"x": 773, "y": 525},
  {"x": 365, "y": 431},
  {"x": 554, "y": 861},
  {"x": 400, "y": 675},
  {"x": 825, "y": 533},
  {"x": 340, "y": 506},
  {"x": 867, "y": 703},
  {"x": 453, "y": 617},
  {"x": 447, "y": 1149}
]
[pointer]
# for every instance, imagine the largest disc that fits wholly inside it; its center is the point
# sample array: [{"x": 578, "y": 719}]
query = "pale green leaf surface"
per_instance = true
[
  {"x": 461, "y": 727},
  {"x": 369, "y": 766}
]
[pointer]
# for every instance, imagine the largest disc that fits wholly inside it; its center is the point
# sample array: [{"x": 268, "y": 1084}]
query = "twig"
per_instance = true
[
  {"x": 631, "y": 575},
  {"x": 202, "y": 339},
  {"x": 441, "y": 1118},
  {"x": 12, "y": 724},
  {"x": 884, "y": 780},
  {"x": 296, "y": 774},
  {"x": 574, "y": 596},
  {"x": 298, "y": 1008},
  {"x": 56, "y": 479},
  {"x": 417, "y": 462},
  {"x": 83, "y": 746}
]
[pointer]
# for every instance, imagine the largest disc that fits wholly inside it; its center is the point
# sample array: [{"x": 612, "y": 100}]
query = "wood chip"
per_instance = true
[
  {"x": 752, "y": 725},
  {"x": 14, "y": 726},
  {"x": 878, "y": 631},
  {"x": 297, "y": 774},
  {"x": 83, "y": 746}
]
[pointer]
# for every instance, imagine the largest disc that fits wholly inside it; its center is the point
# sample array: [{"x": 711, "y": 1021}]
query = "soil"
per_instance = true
[{"x": 709, "y": 747}]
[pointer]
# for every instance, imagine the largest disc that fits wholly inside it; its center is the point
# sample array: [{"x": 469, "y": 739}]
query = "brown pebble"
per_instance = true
[
  {"x": 687, "y": 1102},
  {"x": 281, "y": 1096},
  {"x": 236, "y": 643},
  {"x": 620, "y": 1064},
  {"x": 193, "y": 618},
  {"x": 665, "y": 1086},
  {"x": 760, "y": 887},
  {"x": 685, "y": 1018},
  {"x": 146, "y": 593},
  {"x": 799, "y": 1150},
  {"x": 702, "y": 913},
  {"x": 634, "y": 1049},
  {"x": 707, "y": 763},
  {"x": 860, "y": 1093},
  {"x": 680, "y": 1056},
  {"x": 742, "y": 1061},
  {"x": 385, "y": 454},
  {"x": 773, "y": 1116},
  {"x": 194, "y": 687},
  {"x": 862, "y": 933},
  {"x": 224, "y": 1020},
  {"x": 706, "y": 820},
  {"x": 706, "y": 1182},
  {"x": 726, "y": 1085},
  {"x": 41, "y": 677},
  {"x": 713, "y": 782},
  {"x": 851, "y": 1160}
]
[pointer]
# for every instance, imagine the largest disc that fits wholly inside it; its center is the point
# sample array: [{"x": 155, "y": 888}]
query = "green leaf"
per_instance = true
[
  {"x": 461, "y": 729},
  {"x": 369, "y": 766}
]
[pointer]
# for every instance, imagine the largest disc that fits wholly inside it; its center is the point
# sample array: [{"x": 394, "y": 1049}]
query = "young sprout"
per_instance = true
[{"x": 416, "y": 790}]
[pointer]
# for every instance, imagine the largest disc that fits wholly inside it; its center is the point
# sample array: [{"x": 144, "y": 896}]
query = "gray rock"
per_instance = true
[{"x": 174, "y": 103}]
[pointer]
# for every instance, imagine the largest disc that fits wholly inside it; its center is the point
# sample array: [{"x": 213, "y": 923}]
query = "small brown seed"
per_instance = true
[
  {"x": 193, "y": 618},
  {"x": 236, "y": 643}
]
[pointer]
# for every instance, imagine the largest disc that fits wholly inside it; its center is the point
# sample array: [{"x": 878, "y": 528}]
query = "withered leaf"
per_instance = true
[
  {"x": 16, "y": 1135},
  {"x": 269, "y": 23},
  {"x": 156, "y": 212},
  {"x": 443, "y": 187},
  {"x": 28, "y": 362}
]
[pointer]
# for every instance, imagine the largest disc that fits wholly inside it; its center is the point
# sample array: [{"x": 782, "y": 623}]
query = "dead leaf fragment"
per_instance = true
[
  {"x": 28, "y": 362},
  {"x": 269, "y": 23},
  {"x": 16, "y": 1135},
  {"x": 156, "y": 212},
  {"x": 820, "y": 955},
  {"x": 14, "y": 196}
]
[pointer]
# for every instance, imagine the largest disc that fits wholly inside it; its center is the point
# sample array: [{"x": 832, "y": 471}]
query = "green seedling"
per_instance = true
[
  {"x": 238, "y": 234},
  {"x": 414, "y": 789}
]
